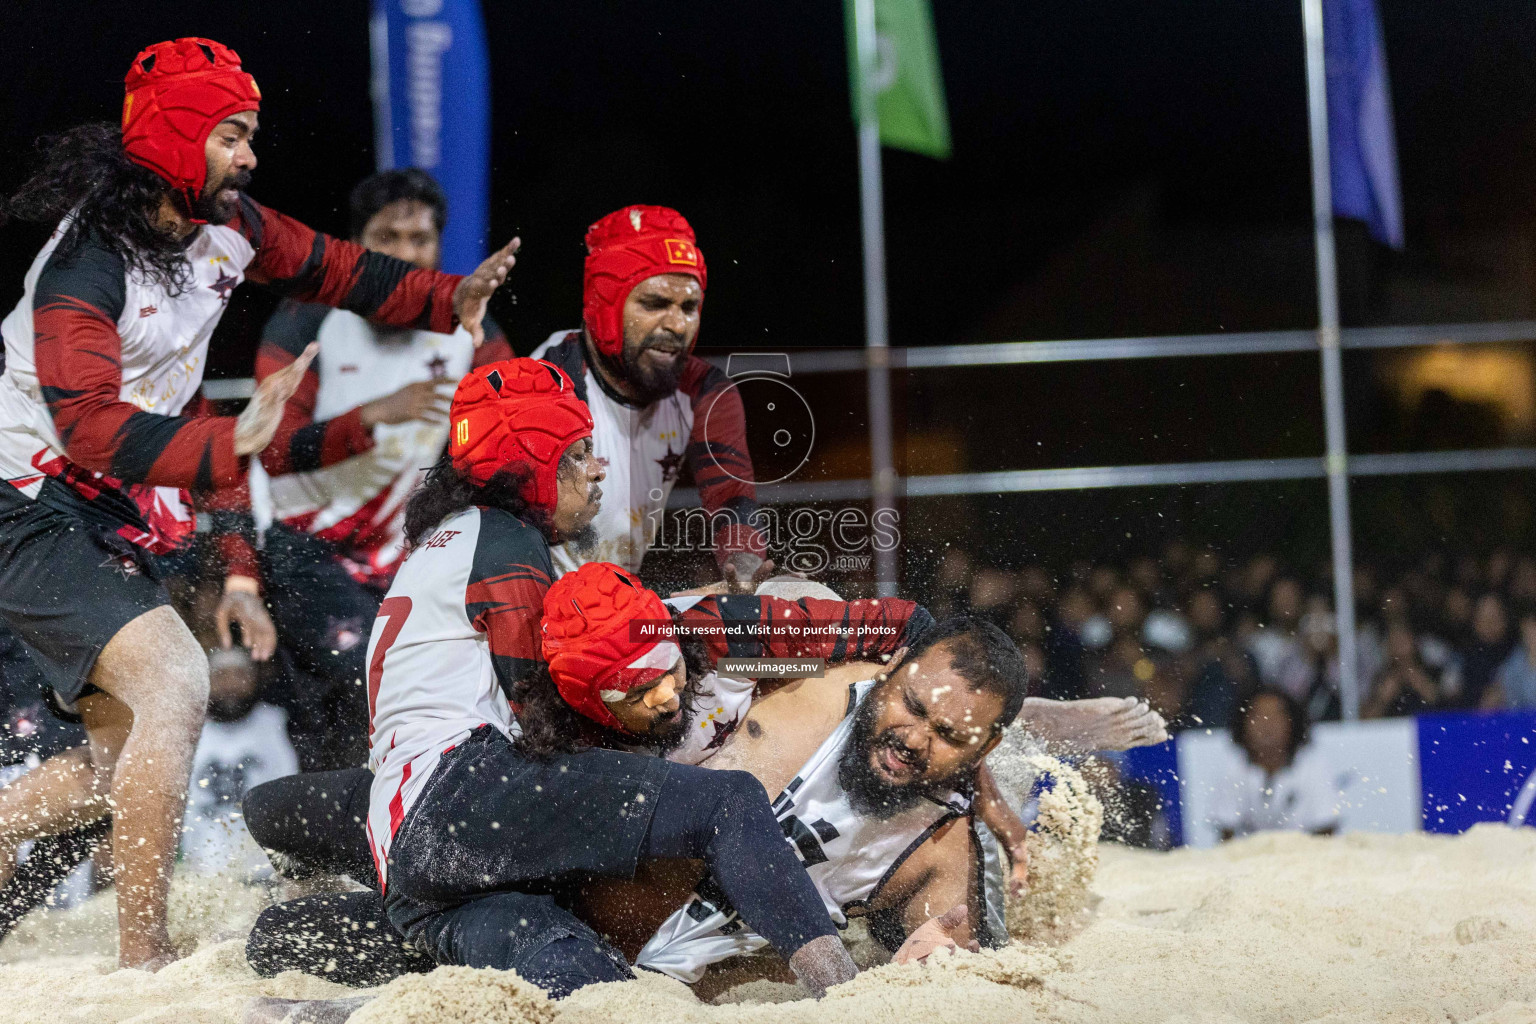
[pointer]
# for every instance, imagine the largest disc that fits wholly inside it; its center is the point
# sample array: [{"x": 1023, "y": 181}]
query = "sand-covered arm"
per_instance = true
[{"x": 936, "y": 893}]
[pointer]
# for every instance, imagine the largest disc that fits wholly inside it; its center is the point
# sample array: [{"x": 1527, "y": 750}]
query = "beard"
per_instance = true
[
  {"x": 868, "y": 793},
  {"x": 214, "y": 210},
  {"x": 668, "y": 732},
  {"x": 652, "y": 382},
  {"x": 585, "y": 539}
]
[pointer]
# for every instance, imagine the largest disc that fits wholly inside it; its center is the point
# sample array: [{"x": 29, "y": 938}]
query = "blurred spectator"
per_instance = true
[
  {"x": 1309, "y": 671},
  {"x": 1487, "y": 650},
  {"x": 1197, "y": 634},
  {"x": 1275, "y": 641},
  {"x": 1279, "y": 786},
  {"x": 1223, "y": 671},
  {"x": 1515, "y": 682},
  {"x": 1404, "y": 686}
]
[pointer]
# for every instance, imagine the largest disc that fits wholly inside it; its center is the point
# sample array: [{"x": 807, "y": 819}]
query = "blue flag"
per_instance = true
[
  {"x": 432, "y": 110},
  {"x": 1362, "y": 147}
]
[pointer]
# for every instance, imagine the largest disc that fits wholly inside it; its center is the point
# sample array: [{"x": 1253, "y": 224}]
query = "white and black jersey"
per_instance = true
[{"x": 849, "y": 856}]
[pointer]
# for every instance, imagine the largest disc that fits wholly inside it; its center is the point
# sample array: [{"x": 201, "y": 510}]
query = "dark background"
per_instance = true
[{"x": 1120, "y": 168}]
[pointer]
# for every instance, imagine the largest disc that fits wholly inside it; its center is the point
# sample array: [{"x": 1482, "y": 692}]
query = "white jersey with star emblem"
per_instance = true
[
  {"x": 360, "y": 502},
  {"x": 848, "y": 854},
  {"x": 163, "y": 343},
  {"x": 642, "y": 452}
]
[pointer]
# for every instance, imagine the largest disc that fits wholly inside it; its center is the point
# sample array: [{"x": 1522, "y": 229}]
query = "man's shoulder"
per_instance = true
[
  {"x": 507, "y": 537},
  {"x": 89, "y": 271}
]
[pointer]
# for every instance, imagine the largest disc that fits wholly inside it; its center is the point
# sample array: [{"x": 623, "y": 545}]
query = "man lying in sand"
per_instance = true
[{"x": 880, "y": 829}]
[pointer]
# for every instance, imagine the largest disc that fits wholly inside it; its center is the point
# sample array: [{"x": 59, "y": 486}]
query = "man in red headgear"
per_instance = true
[
  {"x": 455, "y": 653},
  {"x": 656, "y": 405},
  {"x": 98, "y": 444}
]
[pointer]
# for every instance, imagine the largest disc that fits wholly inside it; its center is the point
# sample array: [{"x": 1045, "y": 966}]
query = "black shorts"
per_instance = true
[
  {"x": 575, "y": 815},
  {"x": 67, "y": 586}
]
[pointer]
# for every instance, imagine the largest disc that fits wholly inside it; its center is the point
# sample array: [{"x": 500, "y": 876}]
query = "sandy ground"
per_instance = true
[{"x": 1272, "y": 928}]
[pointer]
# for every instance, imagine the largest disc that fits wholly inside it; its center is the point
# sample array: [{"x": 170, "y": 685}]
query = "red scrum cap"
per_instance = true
[
  {"x": 591, "y": 651},
  {"x": 623, "y": 249},
  {"x": 176, "y": 92},
  {"x": 516, "y": 411}
]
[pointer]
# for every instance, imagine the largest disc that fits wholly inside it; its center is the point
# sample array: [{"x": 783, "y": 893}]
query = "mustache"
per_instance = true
[
  {"x": 595, "y": 495},
  {"x": 240, "y": 181},
  {"x": 663, "y": 339}
]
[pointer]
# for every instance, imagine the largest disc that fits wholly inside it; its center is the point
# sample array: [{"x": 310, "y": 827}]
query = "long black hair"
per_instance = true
[
  {"x": 446, "y": 491},
  {"x": 116, "y": 203},
  {"x": 551, "y": 727}
]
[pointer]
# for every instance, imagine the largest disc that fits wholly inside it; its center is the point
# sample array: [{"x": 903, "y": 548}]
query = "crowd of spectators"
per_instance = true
[{"x": 1196, "y": 632}]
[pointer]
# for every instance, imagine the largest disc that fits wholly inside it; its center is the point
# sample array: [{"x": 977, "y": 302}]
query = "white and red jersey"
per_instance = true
[
  {"x": 459, "y": 627},
  {"x": 326, "y": 473},
  {"x": 643, "y": 449},
  {"x": 101, "y": 363}
]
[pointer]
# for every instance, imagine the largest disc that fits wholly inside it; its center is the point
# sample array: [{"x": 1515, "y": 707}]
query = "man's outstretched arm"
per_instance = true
[{"x": 300, "y": 263}]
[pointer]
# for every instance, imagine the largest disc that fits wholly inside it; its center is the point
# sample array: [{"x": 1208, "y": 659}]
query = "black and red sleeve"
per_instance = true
[
  {"x": 836, "y": 631},
  {"x": 505, "y": 596},
  {"x": 302, "y": 443},
  {"x": 495, "y": 348},
  {"x": 718, "y": 457},
  {"x": 301, "y": 263},
  {"x": 79, "y": 356}
]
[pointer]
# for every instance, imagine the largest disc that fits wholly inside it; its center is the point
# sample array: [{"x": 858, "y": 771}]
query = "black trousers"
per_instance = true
[
  {"x": 323, "y": 617},
  {"x": 312, "y": 823},
  {"x": 465, "y": 892}
]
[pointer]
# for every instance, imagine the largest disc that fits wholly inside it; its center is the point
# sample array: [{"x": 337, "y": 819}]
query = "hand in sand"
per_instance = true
[
  {"x": 272, "y": 1010},
  {"x": 936, "y": 933},
  {"x": 259, "y": 420},
  {"x": 470, "y": 297}
]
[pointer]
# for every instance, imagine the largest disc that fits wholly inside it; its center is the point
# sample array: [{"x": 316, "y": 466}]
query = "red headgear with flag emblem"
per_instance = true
[
  {"x": 517, "y": 411},
  {"x": 623, "y": 249},
  {"x": 176, "y": 92},
  {"x": 604, "y": 634}
]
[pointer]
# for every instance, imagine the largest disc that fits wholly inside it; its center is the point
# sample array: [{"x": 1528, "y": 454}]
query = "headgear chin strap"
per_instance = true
[
  {"x": 604, "y": 633},
  {"x": 176, "y": 92},
  {"x": 516, "y": 412},
  {"x": 623, "y": 249}
]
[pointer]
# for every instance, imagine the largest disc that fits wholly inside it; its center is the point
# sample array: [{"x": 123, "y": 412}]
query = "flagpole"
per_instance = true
[
  {"x": 1336, "y": 461},
  {"x": 882, "y": 477}
]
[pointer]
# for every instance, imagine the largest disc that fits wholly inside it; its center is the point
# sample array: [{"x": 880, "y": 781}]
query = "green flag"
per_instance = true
[{"x": 910, "y": 98}]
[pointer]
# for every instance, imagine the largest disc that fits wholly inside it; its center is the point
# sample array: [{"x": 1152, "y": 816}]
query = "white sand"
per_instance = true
[{"x": 1272, "y": 928}]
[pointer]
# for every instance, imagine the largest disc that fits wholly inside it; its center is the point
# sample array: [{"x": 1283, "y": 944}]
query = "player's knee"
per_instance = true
[
  {"x": 737, "y": 791},
  {"x": 261, "y": 809},
  {"x": 275, "y": 943},
  {"x": 184, "y": 683}
]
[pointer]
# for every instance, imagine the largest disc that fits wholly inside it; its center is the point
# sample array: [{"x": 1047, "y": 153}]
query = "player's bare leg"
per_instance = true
[
  {"x": 154, "y": 679},
  {"x": 62, "y": 793},
  {"x": 1101, "y": 723}
]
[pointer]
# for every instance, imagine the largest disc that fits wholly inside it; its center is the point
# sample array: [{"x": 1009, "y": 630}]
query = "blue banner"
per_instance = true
[
  {"x": 432, "y": 110},
  {"x": 1473, "y": 767},
  {"x": 1440, "y": 772},
  {"x": 1362, "y": 146}
]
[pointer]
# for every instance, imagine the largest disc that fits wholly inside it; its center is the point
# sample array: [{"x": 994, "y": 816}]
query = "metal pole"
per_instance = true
[
  {"x": 882, "y": 475},
  {"x": 1336, "y": 461}
]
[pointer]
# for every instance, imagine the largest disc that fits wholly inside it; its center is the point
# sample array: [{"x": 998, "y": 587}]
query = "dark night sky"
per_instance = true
[{"x": 1120, "y": 168}]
